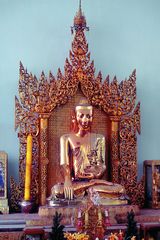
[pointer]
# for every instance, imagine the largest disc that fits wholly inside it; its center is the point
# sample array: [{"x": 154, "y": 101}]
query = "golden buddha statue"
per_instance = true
[{"x": 82, "y": 156}]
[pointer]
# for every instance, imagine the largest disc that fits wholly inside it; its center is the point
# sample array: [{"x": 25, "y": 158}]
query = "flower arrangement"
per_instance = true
[
  {"x": 116, "y": 236},
  {"x": 119, "y": 236},
  {"x": 76, "y": 236}
]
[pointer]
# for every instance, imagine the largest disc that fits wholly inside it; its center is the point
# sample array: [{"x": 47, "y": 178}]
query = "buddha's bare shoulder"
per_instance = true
[{"x": 68, "y": 135}]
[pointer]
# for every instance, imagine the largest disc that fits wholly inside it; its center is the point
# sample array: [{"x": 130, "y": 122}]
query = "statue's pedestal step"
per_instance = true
[{"x": 70, "y": 213}]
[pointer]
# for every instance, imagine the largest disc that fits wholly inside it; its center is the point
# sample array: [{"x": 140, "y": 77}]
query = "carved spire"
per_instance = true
[
  {"x": 79, "y": 20},
  {"x": 80, "y": 9}
]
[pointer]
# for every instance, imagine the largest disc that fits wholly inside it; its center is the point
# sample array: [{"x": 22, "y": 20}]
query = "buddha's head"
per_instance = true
[{"x": 84, "y": 115}]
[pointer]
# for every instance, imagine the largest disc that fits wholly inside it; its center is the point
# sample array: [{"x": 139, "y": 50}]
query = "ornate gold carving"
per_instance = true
[
  {"x": 115, "y": 148},
  {"x": 118, "y": 99},
  {"x": 40, "y": 97},
  {"x": 43, "y": 159},
  {"x": 128, "y": 156},
  {"x": 114, "y": 126}
]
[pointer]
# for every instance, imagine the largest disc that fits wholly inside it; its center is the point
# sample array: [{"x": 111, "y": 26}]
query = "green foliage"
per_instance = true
[
  {"x": 57, "y": 229},
  {"x": 131, "y": 226}
]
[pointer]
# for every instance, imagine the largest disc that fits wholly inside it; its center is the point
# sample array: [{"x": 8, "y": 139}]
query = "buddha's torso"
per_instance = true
[{"x": 88, "y": 153}]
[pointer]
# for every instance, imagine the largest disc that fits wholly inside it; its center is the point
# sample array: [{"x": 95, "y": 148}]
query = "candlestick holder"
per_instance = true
[{"x": 26, "y": 206}]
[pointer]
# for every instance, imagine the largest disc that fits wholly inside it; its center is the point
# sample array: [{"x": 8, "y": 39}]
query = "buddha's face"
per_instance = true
[{"x": 84, "y": 117}]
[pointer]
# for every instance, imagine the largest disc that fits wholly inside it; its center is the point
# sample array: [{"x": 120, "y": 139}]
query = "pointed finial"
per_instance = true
[
  {"x": 80, "y": 4},
  {"x": 79, "y": 20}
]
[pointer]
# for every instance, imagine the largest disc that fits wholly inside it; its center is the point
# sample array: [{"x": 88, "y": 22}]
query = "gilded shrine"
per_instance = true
[{"x": 43, "y": 113}]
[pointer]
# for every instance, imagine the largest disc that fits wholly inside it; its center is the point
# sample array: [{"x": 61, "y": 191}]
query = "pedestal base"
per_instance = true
[{"x": 70, "y": 213}]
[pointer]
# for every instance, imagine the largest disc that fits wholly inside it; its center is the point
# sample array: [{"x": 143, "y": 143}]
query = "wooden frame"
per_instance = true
[
  {"x": 3, "y": 182},
  {"x": 3, "y": 175},
  {"x": 152, "y": 183}
]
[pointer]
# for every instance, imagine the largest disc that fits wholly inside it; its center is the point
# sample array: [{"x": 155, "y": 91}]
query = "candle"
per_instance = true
[
  {"x": 99, "y": 214},
  {"x": 27, "y": 188},
  {"x": 79, "y": 214},
  {"x": 106, "y": 213},
  {"x": 86, "y": 217}
]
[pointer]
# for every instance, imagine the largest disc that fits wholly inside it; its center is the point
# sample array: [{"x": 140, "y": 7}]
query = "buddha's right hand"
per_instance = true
[{"x": 68, "y": 190}]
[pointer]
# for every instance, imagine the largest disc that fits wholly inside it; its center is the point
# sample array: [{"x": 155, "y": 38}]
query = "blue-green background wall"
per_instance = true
[{"x": 123, "y": 35}]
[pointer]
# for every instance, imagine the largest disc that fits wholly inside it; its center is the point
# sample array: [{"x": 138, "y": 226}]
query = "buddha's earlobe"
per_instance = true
[{"x": 74, "y": 124}]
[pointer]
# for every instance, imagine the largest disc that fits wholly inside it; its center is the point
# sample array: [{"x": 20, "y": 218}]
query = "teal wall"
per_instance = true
[{"x": 123, "y": 35}]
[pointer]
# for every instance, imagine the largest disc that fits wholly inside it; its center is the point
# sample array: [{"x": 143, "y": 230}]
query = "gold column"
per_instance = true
[
  {"x": 115, "y": 148},
  {"x": 43, "y": 157}
]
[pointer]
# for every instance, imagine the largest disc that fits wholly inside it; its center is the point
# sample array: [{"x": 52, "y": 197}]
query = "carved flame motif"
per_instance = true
[
  {"x": 128, "y": 156},
  {"x": 38, "y": 98},
  {"x": 119, "y": 99}
]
